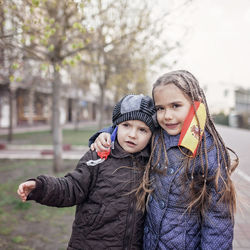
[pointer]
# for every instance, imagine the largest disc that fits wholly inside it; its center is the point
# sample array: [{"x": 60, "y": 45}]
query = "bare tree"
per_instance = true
[
  {"x": 51, "y": 32},
  {"x": 9, "y": 63},
  {"x": 127, "y": 41},
  {"x": 122, "y": 39}
]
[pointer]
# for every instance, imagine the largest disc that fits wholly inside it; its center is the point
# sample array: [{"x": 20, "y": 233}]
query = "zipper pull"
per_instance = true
[
  {"x": 95, "y": 162},
  {"x": 103, "y": 155}
]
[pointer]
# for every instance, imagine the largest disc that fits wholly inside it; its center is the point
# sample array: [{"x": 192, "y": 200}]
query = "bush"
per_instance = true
[{"x": 221, "y": 118}]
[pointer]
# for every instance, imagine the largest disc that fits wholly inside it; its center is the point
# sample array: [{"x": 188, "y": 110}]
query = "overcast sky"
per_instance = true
[{"x": 217, "y": 48}]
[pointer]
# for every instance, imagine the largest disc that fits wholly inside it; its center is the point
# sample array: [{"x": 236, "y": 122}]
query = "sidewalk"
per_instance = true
[
  {"x": 12, "y": 151},
  {"x": 46, "y": 127},
  {"x": 242, "y": 217},
  {"x": 41, "y": 152}
]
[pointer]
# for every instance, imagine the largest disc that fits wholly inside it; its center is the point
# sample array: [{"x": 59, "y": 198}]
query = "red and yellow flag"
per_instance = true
[{"x": 190, "y": 132}]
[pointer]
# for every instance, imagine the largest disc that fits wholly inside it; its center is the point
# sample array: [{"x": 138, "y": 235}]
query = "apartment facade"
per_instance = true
[{"x": 240, "y": 116}]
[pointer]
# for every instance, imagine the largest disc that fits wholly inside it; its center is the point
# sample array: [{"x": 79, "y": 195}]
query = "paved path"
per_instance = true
[
  {"x": 45, "y": 127},
  {"x": 41, "y": 152},
  {"x": 237, "y": 139},
  {"x": 11, "y": 151}
]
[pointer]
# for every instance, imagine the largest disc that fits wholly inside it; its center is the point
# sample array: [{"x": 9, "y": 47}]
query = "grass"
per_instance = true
[
  {"x": 30, "y": 225},
  {"x": 70, "y": 136}
]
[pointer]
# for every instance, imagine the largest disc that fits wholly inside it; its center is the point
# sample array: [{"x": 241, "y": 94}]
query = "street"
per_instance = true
[{"x": 239, "y": 141}]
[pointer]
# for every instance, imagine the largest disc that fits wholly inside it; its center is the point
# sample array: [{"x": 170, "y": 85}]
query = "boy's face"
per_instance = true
[
  {"x": 133, "y": 135},
  {"x": 172, "y": 107}
]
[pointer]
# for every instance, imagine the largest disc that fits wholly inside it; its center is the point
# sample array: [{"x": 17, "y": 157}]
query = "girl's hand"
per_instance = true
[
  {"x": 102, "y": 143},
  {"x": 25, "y": 188}
]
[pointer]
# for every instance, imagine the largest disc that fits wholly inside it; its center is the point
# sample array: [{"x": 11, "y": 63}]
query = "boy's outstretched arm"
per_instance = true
[
  {"x": 25, "y": 188},
  {"x": 70, "y": 190}
]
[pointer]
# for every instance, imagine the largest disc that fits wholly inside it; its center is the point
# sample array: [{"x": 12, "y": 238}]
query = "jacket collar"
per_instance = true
[
  {"x": 172, "y": 140},
  {"x": 119, "y": 152}
]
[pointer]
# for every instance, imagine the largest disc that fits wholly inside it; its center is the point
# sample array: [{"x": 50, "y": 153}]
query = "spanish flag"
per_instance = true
[{"x": 190, "y": 132}]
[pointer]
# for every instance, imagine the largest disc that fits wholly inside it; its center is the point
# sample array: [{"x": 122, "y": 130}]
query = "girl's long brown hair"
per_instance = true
[{"x": 200, "y": 195}]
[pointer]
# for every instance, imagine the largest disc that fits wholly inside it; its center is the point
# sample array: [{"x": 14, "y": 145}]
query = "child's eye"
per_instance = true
[
  {"x": 176, "y": 106},
  {"x": 125, "y": 124},
  {"x": 143, "y": 130},
  {"x": 159, "y": 108}
]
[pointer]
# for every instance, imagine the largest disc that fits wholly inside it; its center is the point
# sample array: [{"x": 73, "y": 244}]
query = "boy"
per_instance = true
[{"x": 104, "y": 190}]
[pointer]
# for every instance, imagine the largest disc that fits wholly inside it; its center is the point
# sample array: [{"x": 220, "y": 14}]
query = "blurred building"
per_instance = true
[
  {"x": 31, "y": 103},
  {"x": 240, "y": 116}
]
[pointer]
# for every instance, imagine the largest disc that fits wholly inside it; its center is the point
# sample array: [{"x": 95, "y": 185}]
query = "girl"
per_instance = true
[{"x": 191, "y": 198}]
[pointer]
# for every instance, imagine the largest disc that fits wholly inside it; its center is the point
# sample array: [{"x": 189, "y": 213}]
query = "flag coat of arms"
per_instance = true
[{"x": 191, "y": 133}]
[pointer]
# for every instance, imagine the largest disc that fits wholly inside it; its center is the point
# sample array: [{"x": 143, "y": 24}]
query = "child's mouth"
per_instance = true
[
  {"x": 130, "y": 143},
  {"x": 172, "y": 126}
]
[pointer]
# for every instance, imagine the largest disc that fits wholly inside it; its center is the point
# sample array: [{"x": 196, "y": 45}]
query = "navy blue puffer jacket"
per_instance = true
[{"x": 168, "y": 225}]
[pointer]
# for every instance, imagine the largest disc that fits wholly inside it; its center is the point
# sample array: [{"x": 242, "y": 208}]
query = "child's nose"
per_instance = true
[
  {"x": 168, "y": 114},
  {"x": 132, "y": 133}
]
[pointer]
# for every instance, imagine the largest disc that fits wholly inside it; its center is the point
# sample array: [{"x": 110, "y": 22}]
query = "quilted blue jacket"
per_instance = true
[{"x": 168, "y": 225}]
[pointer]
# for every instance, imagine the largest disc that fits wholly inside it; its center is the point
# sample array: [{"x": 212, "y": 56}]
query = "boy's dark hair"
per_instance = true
[{"x": 135, "y": 107}]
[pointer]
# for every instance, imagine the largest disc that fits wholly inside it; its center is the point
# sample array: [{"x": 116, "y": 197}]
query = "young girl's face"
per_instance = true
[
  {"x": 172, "y": 106},
  {"x": 133, "y": 135}
]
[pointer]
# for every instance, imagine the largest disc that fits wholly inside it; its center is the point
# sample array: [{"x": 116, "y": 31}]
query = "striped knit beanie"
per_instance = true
[{"x": 135, "y": 107}]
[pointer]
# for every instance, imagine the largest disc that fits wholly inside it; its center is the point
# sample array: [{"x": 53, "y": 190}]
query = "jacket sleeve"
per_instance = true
[
  {"x": 106, "y": 130},
  {"x": 72, "y": 189},
  {"x": 217, "y": 226}
]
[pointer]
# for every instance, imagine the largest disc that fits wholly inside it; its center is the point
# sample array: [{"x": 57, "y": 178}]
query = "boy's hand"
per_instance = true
[
  {"x": 102, "y": 143},
  {"x": 25, "y": 188}
]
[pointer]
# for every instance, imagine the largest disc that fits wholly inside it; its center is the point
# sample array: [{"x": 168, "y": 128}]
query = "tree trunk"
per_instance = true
[
  {"x": 57, "y": 130},
  {"x": 77, "y": 118},
  {"x": 10, "y": 129},
  {"x": 101, "y": 107},
  {"x": 31, "y": 105},
  {"x": 103, "y": 85}
]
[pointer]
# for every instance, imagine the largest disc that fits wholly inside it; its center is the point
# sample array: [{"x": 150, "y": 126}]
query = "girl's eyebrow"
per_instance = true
[
  {"x": 171, "y": 103},
  {"x": 176, "y": 102}
]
